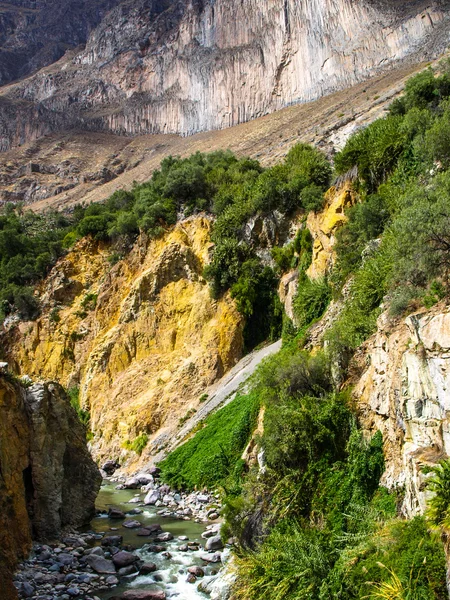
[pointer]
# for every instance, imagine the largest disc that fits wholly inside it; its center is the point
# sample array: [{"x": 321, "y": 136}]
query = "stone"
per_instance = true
[
  {"x": 147, "y": 568},
  {"x": 126, "y": 571},
  {"x": 191, "y": 578},
  {"x": 112, "y": 540},
  {"x": 211, "y": 557},
  {"x": 124, "y": 559},
  {"x": 156, "y": 548},
  {"x": 98, "y": 551},
  {"x": 115, "y": 513},
  {"x": 27, "y": 589},
  {"x": 214, "y": 543},
  {"x": 111, "y": 580},
  {"x": 101, "y": 565},
  {"x": 197, "y": 571},
  {"x": 152, "y": 529},
  {"x": 144, "y": 595},
  {"x": 132, "y": 524},
  {"x": 152, "y": 497},
  {"x": 164, "y": 537},
  {"x": 110, "y": 466}
]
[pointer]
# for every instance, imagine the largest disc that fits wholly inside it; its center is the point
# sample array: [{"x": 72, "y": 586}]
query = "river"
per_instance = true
[{"x": 171, "y": 572}]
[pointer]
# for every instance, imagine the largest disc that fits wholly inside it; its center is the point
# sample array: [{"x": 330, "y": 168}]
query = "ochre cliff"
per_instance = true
[
  {"x": 48, "y": 481},
  {"x": 155, "y": 66},
  {"x": 142, "y": 339},
  {"x": 323, "y": 226},
  {"x": 403, "y": 389}
]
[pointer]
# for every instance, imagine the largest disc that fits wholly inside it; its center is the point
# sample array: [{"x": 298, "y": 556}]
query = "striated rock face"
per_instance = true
[
  {"x": 155, "y": 66},
  {"x": 35, "y": 33},
  {"x": 404, "y": 391},
  {"x": 142, "y": 339},
  {"x": 48, "y": 480}
]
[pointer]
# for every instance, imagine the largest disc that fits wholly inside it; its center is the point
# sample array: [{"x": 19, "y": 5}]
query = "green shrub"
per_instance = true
[
  {"x": 138, "y": 444},
  {"x": 311, "y": 300}
]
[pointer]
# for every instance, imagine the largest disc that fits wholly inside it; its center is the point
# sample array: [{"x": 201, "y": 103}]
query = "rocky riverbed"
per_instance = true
[{"x": 147, "y": 542}]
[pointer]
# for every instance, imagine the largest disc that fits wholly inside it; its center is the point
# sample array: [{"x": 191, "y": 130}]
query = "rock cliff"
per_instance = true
[
  {"x": 403, "y": 389},
  {"x": 155, "y": 66},
  {"x": 48, "y": 481},
  {"x": 141, "y": 339}
]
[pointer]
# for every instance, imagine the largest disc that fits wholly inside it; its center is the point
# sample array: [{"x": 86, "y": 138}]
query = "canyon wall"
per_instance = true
[
  {"x": 48, "y": 481},
  {"x": 156, "y": 66},
  {"x": 402, "y": 389},
  {"x": 142, "y": 339}
]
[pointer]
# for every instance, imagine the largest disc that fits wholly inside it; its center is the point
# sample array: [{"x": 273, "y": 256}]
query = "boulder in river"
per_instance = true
[
  {"x": 115, "y": 513},
  {"x": 112, "y": 540},
  {"x": 101, "y": 565},
  {"x": 152, "y": 497},
  {"x": 147, "y": 568},
  {"x": 214, "y": 543},
  {"x": 143, "y": 595},
  {"x": 132, "y": 524},
  {"x": 124, "y": 559}
]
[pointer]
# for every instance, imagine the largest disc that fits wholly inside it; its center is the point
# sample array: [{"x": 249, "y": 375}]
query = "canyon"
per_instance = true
[{"x": 184, "y": 67}]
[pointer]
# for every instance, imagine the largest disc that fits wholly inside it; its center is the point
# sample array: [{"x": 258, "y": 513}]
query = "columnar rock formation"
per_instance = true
[
  {"x": 182, "y": 67},
  {"x": 48, "y": 480}
]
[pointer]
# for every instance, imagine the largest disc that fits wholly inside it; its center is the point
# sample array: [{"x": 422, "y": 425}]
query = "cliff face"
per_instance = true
[
  {"x": 404, "y": 392},
  {"x": 164, "y": 67},
  {"x": 48, "y": 481},
  {"x": 35, "y": 33},
  {"x": 142, "y": 339}
]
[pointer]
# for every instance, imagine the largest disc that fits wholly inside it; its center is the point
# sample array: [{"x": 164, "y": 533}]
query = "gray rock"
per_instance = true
[
  {"x": 124, "y": 559},
  {"x": 127, "y": 571},
  {"x": 211, "y": 558},
  {"x": 214, "y": 543},
  {"x": 132, "y": 524},
  {"x": 101, "y": 565},
  {"x": 116, "y": 513},
  {"x": 164, "y": 537},
  {"x": 112, "y": 540},
  {"x": 147, "y": 568},
  {"x": 152, "y": 497},
  {"x": 191, "y": 578},
  {"x": 27, "y": 589},
  {"x": 197, "y": 571},
  {"x": 143, "y": 595}
]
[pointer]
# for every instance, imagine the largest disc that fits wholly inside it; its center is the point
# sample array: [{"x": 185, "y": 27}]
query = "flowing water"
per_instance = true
[{"x": 171, "y": 573}]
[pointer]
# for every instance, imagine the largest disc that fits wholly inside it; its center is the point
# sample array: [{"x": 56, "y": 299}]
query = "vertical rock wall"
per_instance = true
[
  {"x": 48, "y": 481},
  {"x": 189, "y": 66}
]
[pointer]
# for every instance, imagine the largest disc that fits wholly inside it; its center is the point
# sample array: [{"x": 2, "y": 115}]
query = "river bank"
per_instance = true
[{"x": 131, "y": 548}]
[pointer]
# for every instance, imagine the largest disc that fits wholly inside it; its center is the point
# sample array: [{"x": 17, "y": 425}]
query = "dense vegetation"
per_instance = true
[
  {"x": 314, "y": 523},
  {"x": 234, "y": 191},
  {"x": 396, "y": 244},
  {"x": 212, "y": 457}
]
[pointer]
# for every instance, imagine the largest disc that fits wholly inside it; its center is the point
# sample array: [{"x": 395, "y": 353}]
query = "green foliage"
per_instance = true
[
  {"x": 211, "y": 457},
  {"x": 89, "y": 302},
  {"x": 311, "y": 300},
  {"x": 439, "y": 504},
  {"x": 74, "y": 397},
  {"x": 138, "y": 444}
]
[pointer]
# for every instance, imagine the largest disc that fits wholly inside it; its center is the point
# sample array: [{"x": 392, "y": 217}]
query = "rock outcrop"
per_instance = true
[
  {"x": 142, "y": 339},
  {"x": 155, "y": 66},
  {"x": 48, "y": 480},
  {"x": 403, "y": 389},
  {"x": 36, "y": 33}
]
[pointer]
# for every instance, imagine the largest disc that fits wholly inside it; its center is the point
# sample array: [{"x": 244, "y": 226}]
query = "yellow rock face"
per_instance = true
[
  {"x": 323, "y": 227},
  {"x": 142, "y": 339}
]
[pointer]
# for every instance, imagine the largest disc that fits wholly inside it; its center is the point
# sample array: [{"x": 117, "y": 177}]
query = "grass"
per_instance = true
[{"x": 212, "y": 456}]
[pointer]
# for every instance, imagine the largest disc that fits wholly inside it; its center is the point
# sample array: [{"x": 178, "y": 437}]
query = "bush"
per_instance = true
[
  {"x": 311, "y": 300},
  {"x": 138, "y": 444}
]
